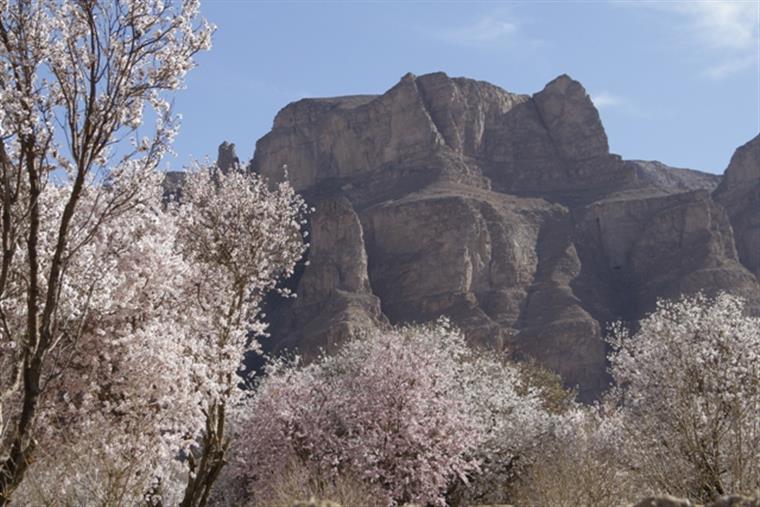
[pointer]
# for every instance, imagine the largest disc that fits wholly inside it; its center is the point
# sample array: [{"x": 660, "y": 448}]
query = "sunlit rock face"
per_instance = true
[
  {"x": 739, "y": 193},
  {"x": 506, "y": 212},
  {"x": 670, "y": 180}
]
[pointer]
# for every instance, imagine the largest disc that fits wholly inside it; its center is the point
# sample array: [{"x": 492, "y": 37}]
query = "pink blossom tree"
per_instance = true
[{"x": 409, "y": 411}]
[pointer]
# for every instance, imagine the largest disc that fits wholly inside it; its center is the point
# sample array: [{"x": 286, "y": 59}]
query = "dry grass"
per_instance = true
[
  {"x": 304, "y": 482},
  {"x": 573, "y": 475}
]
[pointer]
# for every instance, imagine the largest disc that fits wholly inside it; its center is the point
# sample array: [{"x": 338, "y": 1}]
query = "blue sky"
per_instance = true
[{"x": 677, "y": 82}]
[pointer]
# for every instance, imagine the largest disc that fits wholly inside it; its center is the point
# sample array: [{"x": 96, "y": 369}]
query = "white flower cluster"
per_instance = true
[
  {"x": 688, "y": 390},
  {"x": 153, "y": 319},
  {"x": 122, "y": 321}
]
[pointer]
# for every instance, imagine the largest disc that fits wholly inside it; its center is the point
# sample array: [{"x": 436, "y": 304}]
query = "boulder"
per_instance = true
[
  {"x": 664, "y": 501},
  {"x": 735, "y": 501}
]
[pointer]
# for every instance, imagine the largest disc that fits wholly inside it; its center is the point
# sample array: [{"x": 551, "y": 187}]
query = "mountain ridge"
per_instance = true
[{"x": 506, "y": 212}]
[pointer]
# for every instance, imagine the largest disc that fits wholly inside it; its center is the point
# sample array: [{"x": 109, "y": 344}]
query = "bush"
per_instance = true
[{"x": 578, "y": 465}]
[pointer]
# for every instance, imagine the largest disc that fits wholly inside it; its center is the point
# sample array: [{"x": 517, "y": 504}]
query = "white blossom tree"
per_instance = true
[
  {"x": 148, "y": 371},
  {"x": 116, "y": 404},
  {"x": 688, "y": 388},
  {"x": 240, "y": 238},
  {"x": 75, "y": 77},
  {"x": 122, "y": 322}
]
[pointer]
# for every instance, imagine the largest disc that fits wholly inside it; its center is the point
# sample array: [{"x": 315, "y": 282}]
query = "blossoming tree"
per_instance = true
[
  {"x": 240, "y": 238},
  {"x": 409, "y": 411},
  {"x": 122, "y": 321},
  {"x": 689, "y": 395}
]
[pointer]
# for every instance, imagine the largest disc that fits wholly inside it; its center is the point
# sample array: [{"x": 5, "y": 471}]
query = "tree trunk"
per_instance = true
[{"x": 213, "y": 456}]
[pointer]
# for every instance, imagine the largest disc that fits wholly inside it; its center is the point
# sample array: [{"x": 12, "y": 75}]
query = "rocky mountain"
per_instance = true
[{"x": 506, "y": 212}]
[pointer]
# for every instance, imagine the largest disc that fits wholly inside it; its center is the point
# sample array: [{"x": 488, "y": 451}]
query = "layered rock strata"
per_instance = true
[{"x": 505, "y": 212}]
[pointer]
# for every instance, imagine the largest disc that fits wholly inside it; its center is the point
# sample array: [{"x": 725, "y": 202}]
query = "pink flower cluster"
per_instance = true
[{"x": 410, "y": 411}]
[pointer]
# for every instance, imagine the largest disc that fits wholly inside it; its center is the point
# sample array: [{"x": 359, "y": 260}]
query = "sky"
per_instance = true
[{"x": 677, "y": 82}]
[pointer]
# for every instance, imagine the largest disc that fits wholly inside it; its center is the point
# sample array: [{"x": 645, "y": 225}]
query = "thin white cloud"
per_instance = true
[
  {"x": 606, "y": 99},
  {"x": 487, "y": 30},
  {"x": 731, "y": 25},
  {"x": 729, "y": 67},
  {"x": 726, "y": 33}
]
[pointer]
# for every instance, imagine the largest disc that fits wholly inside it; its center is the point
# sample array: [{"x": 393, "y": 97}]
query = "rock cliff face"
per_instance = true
[
  {"x": 672, "y": 179},
  {"x": 334, "y": 295},
  {"x": 227, "y": 159},
  {"x": 739, "y": 193},
  {"x": 506, "y": 212}
]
